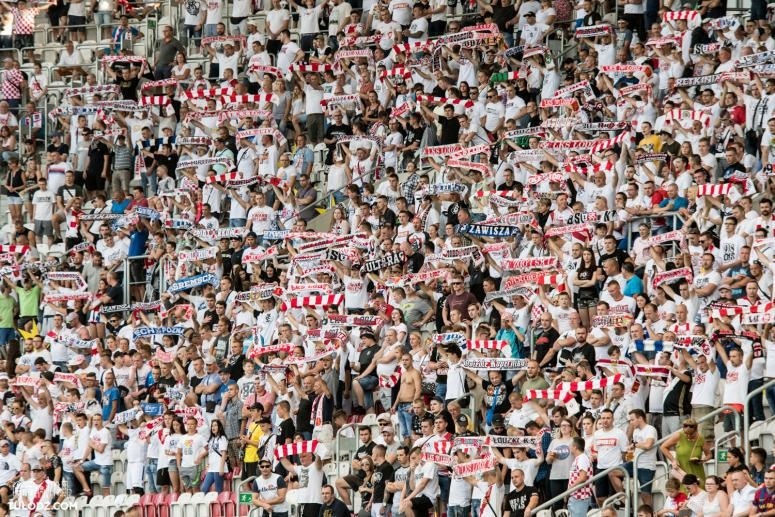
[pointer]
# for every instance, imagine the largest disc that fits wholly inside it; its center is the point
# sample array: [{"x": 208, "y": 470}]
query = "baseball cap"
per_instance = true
[
  {"x": 368, "y": 335},
  {"x": 383, "y": 417},
  {"x": 498, "y": 420},
  {"x": 462, "y": 421},
  {"x": 209, "y": 360}
]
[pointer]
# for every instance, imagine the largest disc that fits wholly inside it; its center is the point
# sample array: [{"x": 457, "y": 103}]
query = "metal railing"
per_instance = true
[
  {"x": 658, "y": 443},
  {"x": 600, "y": 475},
  {"x": 746, "y": 415}
]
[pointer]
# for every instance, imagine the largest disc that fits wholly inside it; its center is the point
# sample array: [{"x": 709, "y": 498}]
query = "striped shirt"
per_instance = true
[{"x": 581, "y": 463}]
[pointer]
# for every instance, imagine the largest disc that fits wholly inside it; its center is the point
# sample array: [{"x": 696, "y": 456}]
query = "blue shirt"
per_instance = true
[
  {"x": 119, "y": 208},
  {"x": 633, "y": 286},
  {"x": 110, "y": 395},
  {"x": 137, "y": 241}
]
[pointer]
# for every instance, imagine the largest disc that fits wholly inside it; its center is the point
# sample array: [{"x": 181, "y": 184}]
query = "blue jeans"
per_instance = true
[
  {"x": 150, "y": 183},
  {"x": 212, "y": 479},
  {"x": 458, "y": 511},
  {"x": 405, "y": 418},
  {"x": 369, "y": 384},
  {"x": 237, "y": 223},
  {"x": 210, "y": 30},
  {"x": 578, "y": 507},
  {"x": 150, "y": 475},
  {"x": 770, "y": 392},
  {"x": 755, "y": 408},
  {"x": 6, "y": 335},
  {"x": 475, "y": 503},
  {"x": 105, "y": 472},
  {"x": 444, "y": 484},
  {"x": 441, "y": 390}
]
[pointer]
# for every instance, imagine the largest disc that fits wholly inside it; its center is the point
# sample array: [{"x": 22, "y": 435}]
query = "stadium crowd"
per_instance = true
[{"x": 501, "y": 247}]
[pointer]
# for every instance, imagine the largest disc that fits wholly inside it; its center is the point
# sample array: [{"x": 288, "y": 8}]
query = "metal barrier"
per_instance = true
[
  {"x": 600, "y": 475},
  {"x": 658, "y": 443},
  {"x": 746, "y": 412},
  {"x": 147, "y": 281}
]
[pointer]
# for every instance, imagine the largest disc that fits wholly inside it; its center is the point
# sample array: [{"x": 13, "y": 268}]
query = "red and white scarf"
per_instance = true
[
  {"x": 294, "y": 449},
  {"x": 312, "y": 301}
]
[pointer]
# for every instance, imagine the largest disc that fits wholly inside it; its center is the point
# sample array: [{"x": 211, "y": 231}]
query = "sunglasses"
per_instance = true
[
  {"x": 690, "y": 426},
  {"x": 265, "y": 466}
]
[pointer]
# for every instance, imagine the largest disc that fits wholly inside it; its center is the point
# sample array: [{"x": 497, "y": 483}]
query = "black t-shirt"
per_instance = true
[
  {"x": 305, "y": 412},
  {"x": 336, "y": 509},
  {"x": 544, "y": 341},
  {"x": 61, "y": 148},
  {"x": 98, "y": 153},
  {"x": 116, "y": 295},
  {"x": 287, "y": 430},
  {"x": 576, "y": 354},
  {"x": 678, "y": 398},
  {"x": 620, "y": 255},
  {"x": 128, "y": 87},
  {"x": 415, "y": 262},
  {"x": 498, "y": 395},
  {"x": 450, "y": 130},
  {"x": 516, "y": 501},
  {"x": 382, "y": 474},
  {"x": 366, "y": 356},
  {"x": 413, "y": 134},
  {"x": 335, "y": 130}
]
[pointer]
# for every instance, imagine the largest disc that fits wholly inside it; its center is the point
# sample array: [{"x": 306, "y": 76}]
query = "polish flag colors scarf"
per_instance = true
[
  {"x": 312, "y": 301},
  {"x": 314, "y": 68},
  {"x": 487, "y": 344},
  {"x": 562, "y": 396},
  {"x": 389, "y": 381},
  {"x": 714, "y": 190},
  {"x": 294, "y": 449},
  {"x": 207, "y": 93},
  {"x": 467, "y": 103},
  {"x": 594, "y": 384}
]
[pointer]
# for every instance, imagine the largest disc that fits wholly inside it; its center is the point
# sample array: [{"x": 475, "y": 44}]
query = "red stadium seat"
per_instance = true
[
  {"x": 164, "y": 504},
  {"x": 148, "y": 505},
  {"x": 227, "y": 501}
]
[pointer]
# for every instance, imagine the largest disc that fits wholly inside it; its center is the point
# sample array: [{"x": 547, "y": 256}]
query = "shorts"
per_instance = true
[
  {"x": 15, "y": 200},
  {"x": 163, "y": 477},
  {"x": 173, "y": 466},
  {"x": 586, "y": 302},
  {"x": 76, "y": 20},
  {"x": 369, "y": 383},
  {"x": 105, "y": 471},
  {"x": 44, "y": 228},
  {"x": 603, "y": 487},
  {"x": 189, "y": 477},
  {"x": 103, "y": 18},
  {"x": 353, "y": 481},
  {"x": 137, "y": 271},
  {"x": 421, "y": 504},
  {"x": 6, "y": 335}
]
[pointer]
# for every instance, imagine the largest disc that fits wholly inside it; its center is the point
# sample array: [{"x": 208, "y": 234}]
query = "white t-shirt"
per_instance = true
[
  {"x": 43, "y": 201},
  {"x": 736, "y": 387},
  {"x": 430, "y": 472},
  {"x": 609, "y": 446},
  {"x": 276, "y": 18},
  {"x": 704, "y": 388},
  {"x": 216, "y": 450},
  {"x": 286, "y": 56},
  {"x": 104, "y": 458},
  {"x": 646, "y": 459},
  {"x": 189, "y": 447}
]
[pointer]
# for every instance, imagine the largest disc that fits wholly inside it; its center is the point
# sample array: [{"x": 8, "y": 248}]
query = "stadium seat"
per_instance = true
[
  {"x": 228, "y": 505},
  {"x": 117, "y": 485},
  {"x": 199, "y": 504},
  {"x": 148, "y": 504},
  {"x": 68, "y": 503},
  {"x": 104, "y": 506},
  {"x": 90, "y": 510},
  {"x": 177, "y": 509},
  {"x": 164, "y": 505},
  {"x": 215, "y": 504}
]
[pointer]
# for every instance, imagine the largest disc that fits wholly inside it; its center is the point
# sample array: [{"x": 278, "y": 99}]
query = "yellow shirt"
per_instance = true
[{"x": 254, "y": 434}]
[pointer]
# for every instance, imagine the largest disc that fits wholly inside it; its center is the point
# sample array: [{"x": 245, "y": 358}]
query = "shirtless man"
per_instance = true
[{"x": 409, "y": 390}]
